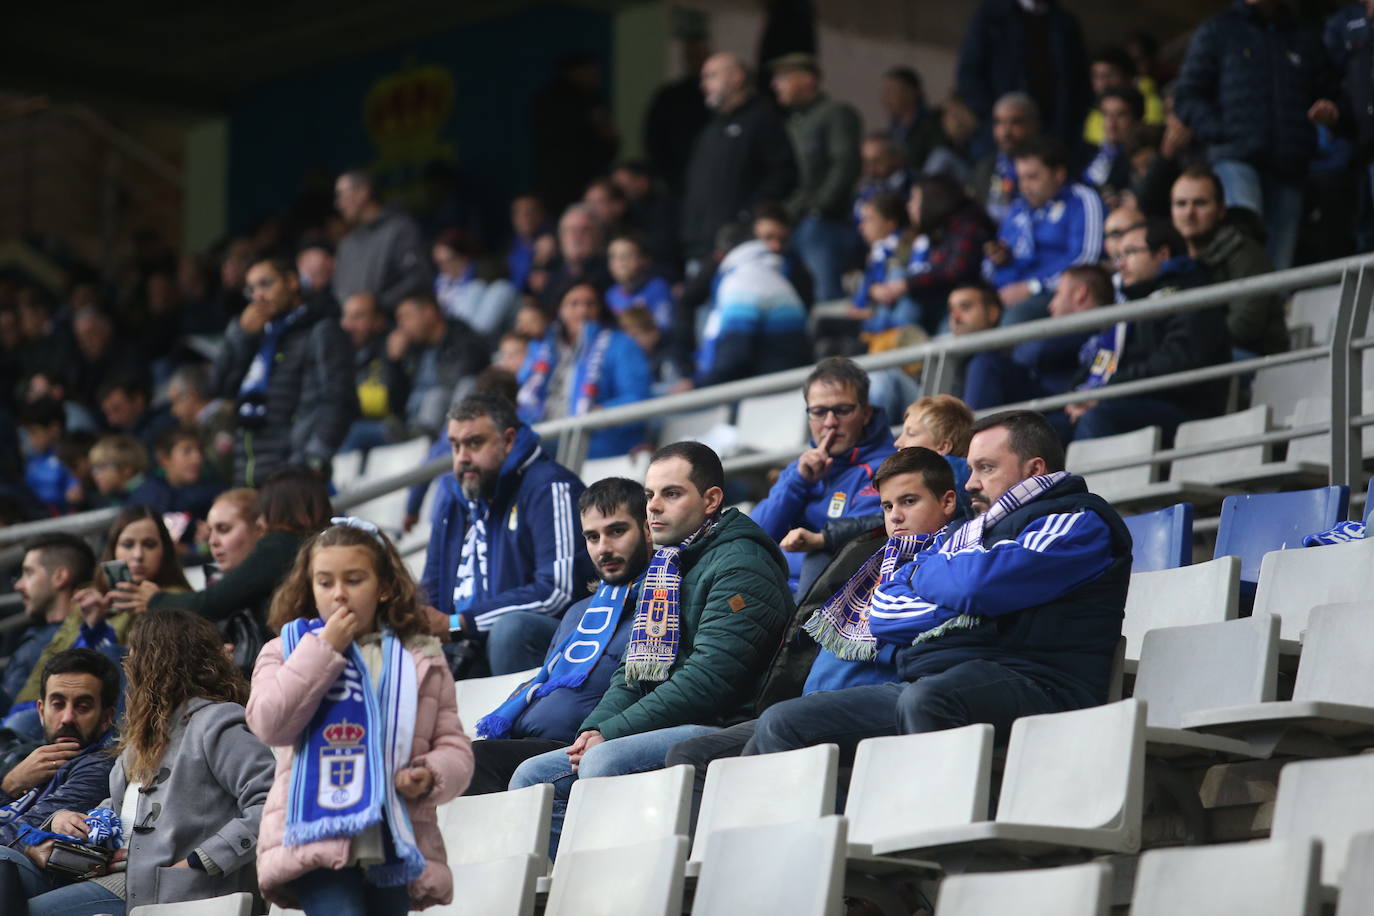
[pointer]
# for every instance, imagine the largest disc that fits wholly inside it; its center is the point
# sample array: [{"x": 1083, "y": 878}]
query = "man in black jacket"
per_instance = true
[
  {"x": 743, "y": 157},
  {"x": 1153, "y": 261},
  {"x": 436, "y": 359},
  {"x": 289, "y": 368}
]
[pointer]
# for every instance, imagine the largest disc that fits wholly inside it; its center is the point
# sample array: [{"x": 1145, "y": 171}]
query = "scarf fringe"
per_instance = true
[
  {"x": 553, "y": 683},
  {"x": 300, "y": 833},
  {"x": 411, "y": 866},
  {"x": 656, "y": 672},
  {"x": 962, "y": 622},
  {"x": 828, "y": 638},
  {"x": 493, "y": 726}
]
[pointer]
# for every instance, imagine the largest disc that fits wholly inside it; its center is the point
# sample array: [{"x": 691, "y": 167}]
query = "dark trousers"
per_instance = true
[
  {"x": 494, "y": 760},
  {"x": 1123, "y": 415},
  {"x": 734, "y": 741}
]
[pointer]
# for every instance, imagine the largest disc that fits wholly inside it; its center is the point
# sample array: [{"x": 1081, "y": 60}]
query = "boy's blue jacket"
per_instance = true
[
  {"x": 1047, "y": 240},
  {"x": 845, "y": 491},
  {"x": 536, "y": 560},
  {"x": 1049, "y": 583}
]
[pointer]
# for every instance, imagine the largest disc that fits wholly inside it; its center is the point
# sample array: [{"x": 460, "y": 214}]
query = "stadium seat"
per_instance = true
[
  {"x": 499, "y": 825},
  {"x": 695, "y": 424},
  {"x": 605, "y": 811},
  {"x": 493, "y": 887},
  {"x": 1357, "y": 887},
  {"x": 478, "y": 696},
  {"x": 1326, "y": 800},
  {"x": 771, "y": 422},
  {"x": 645, "y": 879},
  {"x": 1315, "y": 308},
  {"x": 1292, "y": 582},
  {"x": 1070, "y": 890},
  {"x": 1162, "y": 539},
  {"x": 1251, "y": 465},
  {"x": 195, "y": 577},
  {"x": 228, "y": 905},
  {"x": 631, "y": 466},
  {"x": 1201, "y": 593},
  {"x": 956, "y": 775},
  {"x": 1051, "y": 799},
  {"x": 1275, "y": 877},
  {"x": 777, "y": 870},
  {"x": 1281, "y": 387},
  {"x": 387, "y": 512},
  {"x": 1253, "y": 524},
  {"x": 1139, "y": 486},
  {"x": 1186, "y": 669},
  {"x": 765, "y": 789},
  {"x": 1316, "y": 449},
  {"x": 1333, "y": 695},
  {"x": 345, "y": 470}
]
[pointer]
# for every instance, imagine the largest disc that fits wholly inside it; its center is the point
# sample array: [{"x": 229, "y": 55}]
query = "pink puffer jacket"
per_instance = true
[{"x": 285, "y": 697}]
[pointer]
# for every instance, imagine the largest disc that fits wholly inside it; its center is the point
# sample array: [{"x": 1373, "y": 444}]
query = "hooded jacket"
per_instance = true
[
  {"x": 1047, "y": 240},
  {"x": 733, "y": 608},
  {"x": 535, "y": 557},
  {"x": 757, "y": 323},
  {"x": 1257, "y": 323}
]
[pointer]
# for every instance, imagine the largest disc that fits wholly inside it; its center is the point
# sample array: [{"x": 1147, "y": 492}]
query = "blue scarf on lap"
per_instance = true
[
  {"x": 571, "y": 663},
  {"x": 342, "y": 777}
]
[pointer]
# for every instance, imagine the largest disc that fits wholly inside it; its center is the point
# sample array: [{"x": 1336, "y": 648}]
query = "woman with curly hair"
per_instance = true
[{"x": 190, "y": 782}]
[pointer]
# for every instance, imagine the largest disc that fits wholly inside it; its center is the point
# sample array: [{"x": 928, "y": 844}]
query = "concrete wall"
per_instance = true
[{"x": 206, "y": 175}]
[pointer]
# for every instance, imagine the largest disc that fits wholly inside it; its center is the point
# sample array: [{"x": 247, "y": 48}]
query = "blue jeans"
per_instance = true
[
  {"x": 84, "y": 898},
  {"x": 823, "y": 244},
  {"x": 974, "y": 691},
  {"x": 616, "y": 757},
  {"x": 1122, "y": 415},
  {"x": 34, "y": 880},
  {"x": 345, "y": 892},
  {"x": 1278, "y": 203},
  {"x": 519, "y": 640}
]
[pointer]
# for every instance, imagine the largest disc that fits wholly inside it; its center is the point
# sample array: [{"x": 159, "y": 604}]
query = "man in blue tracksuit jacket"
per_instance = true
[
  {"x": 1024, "y": 621},
  {"x": 849, "y": 439},
  {"x": 505, "y": 555}
]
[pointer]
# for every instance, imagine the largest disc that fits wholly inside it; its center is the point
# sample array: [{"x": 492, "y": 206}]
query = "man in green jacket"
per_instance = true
[{"x": 713, "y": 606}]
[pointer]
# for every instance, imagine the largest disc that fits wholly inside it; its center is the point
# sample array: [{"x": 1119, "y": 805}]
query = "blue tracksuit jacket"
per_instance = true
[{"x": 1046, "y": 240}]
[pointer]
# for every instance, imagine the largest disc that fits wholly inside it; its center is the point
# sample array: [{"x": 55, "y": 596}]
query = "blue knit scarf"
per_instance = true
[
  {"x": 342, "y": 777},
  {"x": 652, "y": 648},
  {"x": 253, "y": 388},
  {"x": 570, "y": 664},
  {"x": 582, "y": 393},
  {"x": 471, "y": 583},
  {"x": 840, "y": 625}
]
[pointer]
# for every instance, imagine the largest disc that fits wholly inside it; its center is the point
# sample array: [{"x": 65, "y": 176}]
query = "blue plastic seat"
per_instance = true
[
  {"x": 1254, "y": 524},
  {"x": 1162, "y": 539}
]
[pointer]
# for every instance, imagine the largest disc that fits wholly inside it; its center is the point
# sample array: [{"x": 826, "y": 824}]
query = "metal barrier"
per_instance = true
[{"x": 940, "y": 359}]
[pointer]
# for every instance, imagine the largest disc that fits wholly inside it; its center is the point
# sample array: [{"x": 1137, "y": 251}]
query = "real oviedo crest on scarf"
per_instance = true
[
  {"x": 343, "y": 761},
  {"x": 657, "y": 624}
]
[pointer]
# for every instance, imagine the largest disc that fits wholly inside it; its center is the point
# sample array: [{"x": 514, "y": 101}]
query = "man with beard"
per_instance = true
[
  {"x": 545, "y": 713},
  {"x": 54, "y": 567},
  {"x": 79, "y": 692},
  {"x": 505, "y": 537}
]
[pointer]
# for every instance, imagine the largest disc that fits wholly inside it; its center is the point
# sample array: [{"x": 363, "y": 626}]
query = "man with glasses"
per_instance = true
[
  {"x": 1152, "y": 261},
  {"x": 833, "y": 478},
  {"x": 289, "y": 368}
]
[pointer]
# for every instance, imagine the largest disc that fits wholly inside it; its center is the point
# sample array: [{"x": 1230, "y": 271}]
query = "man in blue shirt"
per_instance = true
[
  {"x": 591, "y": 637},
  {"x": 54, "y": 567}
]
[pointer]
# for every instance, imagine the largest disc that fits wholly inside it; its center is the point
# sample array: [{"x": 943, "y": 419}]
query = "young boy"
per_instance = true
[
  {"x": 42, "y": 422},
  {"x": 880, "y": 223},
  {"x": 177, "y": 485},
  {"x": 943, "y": 424},
  {"x": 669, "y": 371},
  {"x": 629, "y": 262},
  {"x": 118, "y": 463}
]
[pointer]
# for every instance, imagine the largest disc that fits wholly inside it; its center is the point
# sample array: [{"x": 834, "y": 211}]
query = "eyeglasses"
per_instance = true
[
  {"x": 265, "y": 283},
  {"x": 1133, "y": 250},
  {"x": 1118, "y": 233},
  {"x": 839, "y": 410}
]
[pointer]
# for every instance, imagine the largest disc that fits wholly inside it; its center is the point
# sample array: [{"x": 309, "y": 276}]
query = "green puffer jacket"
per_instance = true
[{"x": 733, "y": 609}]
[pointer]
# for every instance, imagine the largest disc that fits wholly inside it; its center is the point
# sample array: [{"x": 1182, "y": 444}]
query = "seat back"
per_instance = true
[
  {"x": 1326, "y": 800},
  {"x": 1316, "y": 308},
  {"x": 766, "y": 789},
  {"x": 694, "y": 424},
  {"x": 772, "y": 421},
  {"x": 1186, "y": 669},
  {"x": 1317, "y": 449},
  {"x": 605, "y": 811},
  {"x": 796, "y": 869},
  {"x": 1098, "y": 786},
  {"x": 1275, "y": 877},
  {"x": 228, "y": 905},
  {"x": 388, "y": 511},
  {"x": 498, "y": 825},
  {"x": 631, "y": 466},
  {"x": 645, "y": 878},
  {"x": 495, "y": 887},
  {"x": 1069, "y": 890},
  {"x": 1162, "y": 539},
  {"x": 956, "y": 772},
  {"x": 1292, "y": 582},
  {"x": 1202, "y": 593},
  {"x": 346, "y": 469},
  {"x": 1221, "y": 466},
  {"x": 1111, "y": 484},
  {"x": 1252, "y": 524},
  {"x": 1357, "y": 888},
  {"x": 1338, "y": 655},
  {"x": 1281, "y": 387},
  {"x": 478, "y": 696}
]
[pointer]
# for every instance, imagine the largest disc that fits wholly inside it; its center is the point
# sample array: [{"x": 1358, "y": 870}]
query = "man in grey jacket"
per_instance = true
[
  {"x": 384, "y": 253},
  {"x": 825, "y": 137}
]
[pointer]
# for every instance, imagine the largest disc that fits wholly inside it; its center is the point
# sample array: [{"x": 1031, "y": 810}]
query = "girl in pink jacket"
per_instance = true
[{"x": 364, "y": 701}]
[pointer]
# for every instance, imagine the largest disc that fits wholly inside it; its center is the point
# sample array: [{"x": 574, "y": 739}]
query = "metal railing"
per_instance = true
[{"x": 940, "y": 359}]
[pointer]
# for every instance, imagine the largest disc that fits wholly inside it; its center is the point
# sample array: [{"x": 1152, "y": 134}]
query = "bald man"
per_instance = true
[{"x": 742, "y": 158}]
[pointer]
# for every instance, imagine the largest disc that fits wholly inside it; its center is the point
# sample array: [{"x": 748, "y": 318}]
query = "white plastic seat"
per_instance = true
[
  {"x": 1316, "y": 308},
  {"x": 1139, "y": 486},
  {"x": 1249, "y": 465},
  {"x": 1070, "y": 890},
  {"x": 631, "y": 466},
  {"x": 493, "y": 887},
  {"x": 765, "y": 789},
  {"x": 346, "y": 469},
  {"x": 1292, "y": 582},
  {"x": 772, "y": 421},
  {"x": 1275, "y": 877},
  {"x": 693, "y": 425},
  {"x": 1202, "y": 593},
  {"x": 645, "y": 879},
  {"x": 1053, "y": 798},
  {"x": 228, "y": 905},
  {"x": 605, "y": 811},
  {"x": 497, "y": 825},
  {"x": 1326, "y": 800},
  {"x": 1333, "y": 694},
  {"x": 1316, "y": 450},
  {"x": 388, "y": 511},
  {"x": 478, "y": 696},
  {"x": 956, "y": 772},
  {"x": 777, "y": 870},
  {"x": 1357, "y": 887},
  {"x": 1281, "y": 387}
]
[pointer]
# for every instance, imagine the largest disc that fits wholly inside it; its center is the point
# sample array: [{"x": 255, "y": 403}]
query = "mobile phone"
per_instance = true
[{"x": 116, "y": 571}]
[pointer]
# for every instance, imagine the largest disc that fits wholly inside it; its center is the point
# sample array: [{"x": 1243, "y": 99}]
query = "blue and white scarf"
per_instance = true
[
  {"x": 18, "y": 806},
  {"x": 571, "y": 663},
  {"x": 582, "y": 393},
  {"x": 1339, "y": 534},
  {"x": 342, "y": 776},
  {"x": 1102, "y": 353},
  {"x": 471, "y": 582},
  {"x": 840, "y": 625},
  {"x": 253, "y": 388},
  {"x": 652, "y": 648}
]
